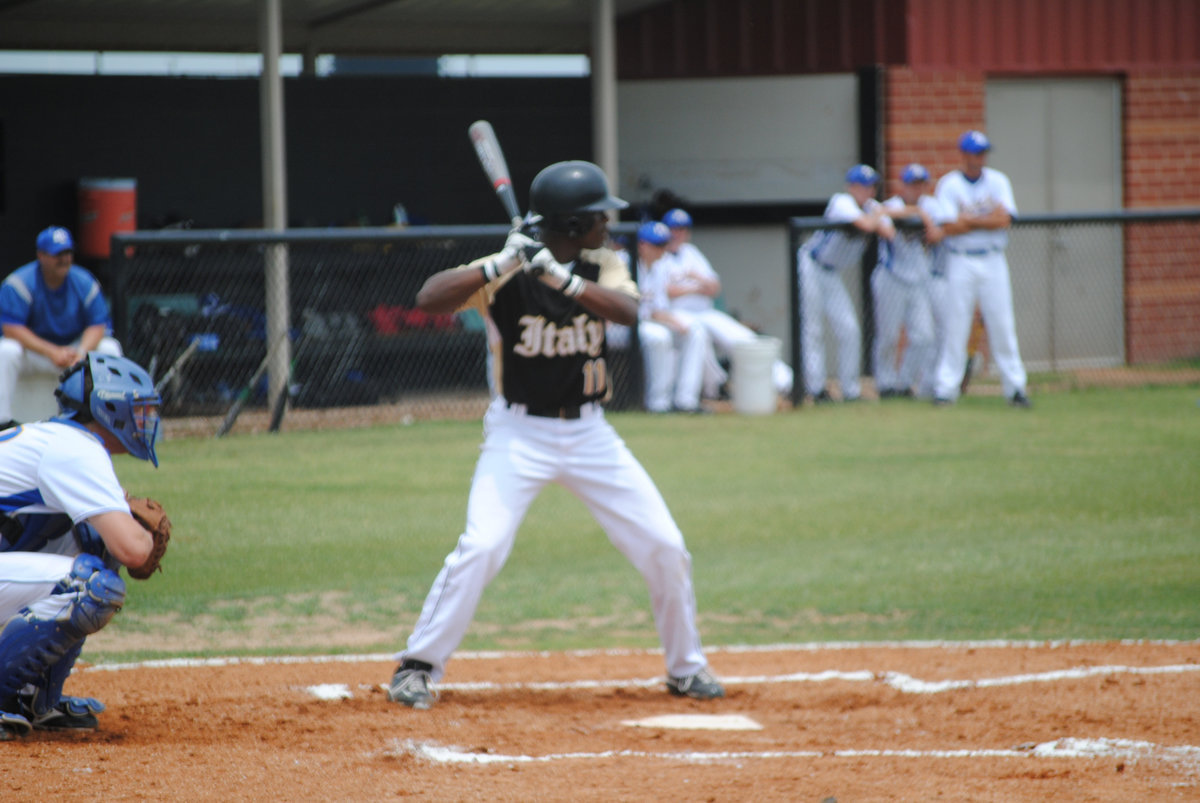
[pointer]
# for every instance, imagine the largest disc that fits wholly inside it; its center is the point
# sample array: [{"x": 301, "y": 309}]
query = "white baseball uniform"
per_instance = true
[
  {"x": 823, "y": 258},
  {"x": 976, "y": 271},
  {"x": 900, "y": 287},
  {"x": 675, "y": 361},
  {"x": 684, "y": 268},
  {"x": 52, "y": 474}
]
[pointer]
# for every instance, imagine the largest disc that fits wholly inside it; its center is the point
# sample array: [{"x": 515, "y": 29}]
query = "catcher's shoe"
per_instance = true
[
  {"x": 69, "y": 714},
  {"x": 412, "y": 685},
  {"x": 13, "y": 726},
  {"x": 700, "y": 686}
]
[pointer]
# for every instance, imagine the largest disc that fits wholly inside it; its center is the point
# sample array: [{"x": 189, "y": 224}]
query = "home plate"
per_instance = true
[{"x": 711, "y": 722}]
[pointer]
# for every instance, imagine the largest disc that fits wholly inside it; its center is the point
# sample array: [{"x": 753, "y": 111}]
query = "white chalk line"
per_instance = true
[
  {"x": 1059, "y": 748},
  {"x": 490, "y": 655}
]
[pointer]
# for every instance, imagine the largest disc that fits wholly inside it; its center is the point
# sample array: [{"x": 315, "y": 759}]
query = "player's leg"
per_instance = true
[
  {"x": 620, "y": 494},
  {"x": 110, "y": 346},
  {"x": 40, "y": 643},
  {"x": 958, "y": 310},
  {"x": 996, "y": 306},
  {"x": 843, "y": 321},
  {"x": 518, "y": 458},
  {"x": 918, "y": 328},
  {"x": 889, "y": 316},
  {"x": 10, "y": 368},
  {"x": 658, "y": 353},
  {"x": 812, "y": 334},
  {"x": 692, "y": 348}
]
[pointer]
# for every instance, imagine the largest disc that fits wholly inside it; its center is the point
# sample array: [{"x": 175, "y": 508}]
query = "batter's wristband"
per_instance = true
[
  {"x": 573, "y": 287},
  {"x": 491, "y": 271}
]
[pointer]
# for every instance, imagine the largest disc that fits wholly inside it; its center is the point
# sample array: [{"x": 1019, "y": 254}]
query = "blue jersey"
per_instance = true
[{"x": 59, "y": 316}]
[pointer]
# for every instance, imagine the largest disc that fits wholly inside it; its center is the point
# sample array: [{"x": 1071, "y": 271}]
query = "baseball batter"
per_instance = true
[
  {"x": 547, "y": 425},
  {"x": 979, "y": 202},
  {"x": 823, "y": 259},
  {"x": 900, "y": 287},
  {"x": 65, "y": 530}
]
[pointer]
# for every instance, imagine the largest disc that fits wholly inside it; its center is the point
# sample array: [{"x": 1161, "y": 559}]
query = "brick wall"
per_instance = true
[
  {"x": 925, "y": 110},
  {"x": 1162, "y": 170}
]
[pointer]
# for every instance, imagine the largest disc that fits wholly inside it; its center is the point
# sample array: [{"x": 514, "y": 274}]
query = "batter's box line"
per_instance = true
[
  {"x": 896, "y": 680},
  {"x": 1068, "y": 747}
]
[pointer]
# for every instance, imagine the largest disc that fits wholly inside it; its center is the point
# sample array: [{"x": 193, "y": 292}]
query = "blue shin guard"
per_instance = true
[{"x": 39, "y": 645}]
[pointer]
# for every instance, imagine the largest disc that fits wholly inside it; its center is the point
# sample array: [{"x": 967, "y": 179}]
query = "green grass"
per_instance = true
[{"x": 1079, "y": 519}]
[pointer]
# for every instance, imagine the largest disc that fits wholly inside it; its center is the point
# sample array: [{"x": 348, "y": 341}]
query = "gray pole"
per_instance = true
[
  {"x": 604, "y": 89},
  {"x": 274, "y": 183}
]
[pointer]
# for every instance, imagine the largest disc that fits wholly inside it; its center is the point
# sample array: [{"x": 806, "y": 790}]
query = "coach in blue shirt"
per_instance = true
[{"x": 52, "y": 313}]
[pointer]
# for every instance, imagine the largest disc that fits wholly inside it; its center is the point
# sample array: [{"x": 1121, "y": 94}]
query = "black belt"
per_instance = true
[{"x": 567, "y": 413}]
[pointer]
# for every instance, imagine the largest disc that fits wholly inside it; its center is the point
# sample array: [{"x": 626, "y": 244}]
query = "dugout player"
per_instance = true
[
  {"x": 979, "y": 200},
  {"x": 65, "y": 531},
  {"x": 902, "y": 293},
  {"x": 547, "y": 425},
  {"x": 823, "y": 258}
]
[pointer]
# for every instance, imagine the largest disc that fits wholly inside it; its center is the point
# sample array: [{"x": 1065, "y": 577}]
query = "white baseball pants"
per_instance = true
[
  {"x": 675, "y": 365},
  {"x": 982, "y": 279},
  {"x": 520, "y": 455},
  {"x": 15, "y": 361},
  {"x": 823, "y": 296},
  {"x": 901, "y": 305}
]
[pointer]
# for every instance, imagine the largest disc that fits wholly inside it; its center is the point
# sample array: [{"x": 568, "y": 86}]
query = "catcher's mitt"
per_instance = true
[{"x": 150, "y": 514}]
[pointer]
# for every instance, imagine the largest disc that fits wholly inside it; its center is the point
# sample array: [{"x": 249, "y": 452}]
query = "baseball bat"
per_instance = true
[
  {"x": 175, "y": 366},
  {"x": 491, "y": 158},
  {"x": 244, "y": 396}
]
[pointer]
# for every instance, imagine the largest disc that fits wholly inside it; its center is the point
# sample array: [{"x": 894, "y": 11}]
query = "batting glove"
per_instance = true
[
  {"x": 554, "y": 274},
  {"x": 518, "y": 249}
]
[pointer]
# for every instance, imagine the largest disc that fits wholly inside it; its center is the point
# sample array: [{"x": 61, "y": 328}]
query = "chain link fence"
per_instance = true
[
  {"x": 1093, "y": 294},
  {"x": 190, "y": 306}
]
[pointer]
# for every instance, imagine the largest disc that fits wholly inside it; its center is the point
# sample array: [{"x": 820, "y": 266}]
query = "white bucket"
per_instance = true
[{"x": 753, "y": 385}]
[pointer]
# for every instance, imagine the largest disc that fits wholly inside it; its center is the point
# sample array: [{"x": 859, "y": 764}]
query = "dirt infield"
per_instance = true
[{"x": 1069, "y": 722}]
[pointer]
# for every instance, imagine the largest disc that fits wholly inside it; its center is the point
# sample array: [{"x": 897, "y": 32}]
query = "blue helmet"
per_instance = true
[
  {"x": 914, "y": 174},
  {"x": 117, "y": 393},
  {"x": 677, "y": 219},
  {"x": 862, "y": 174},
  {"x": 654, "y": 232},
  {"x": 974, "y": 142}
]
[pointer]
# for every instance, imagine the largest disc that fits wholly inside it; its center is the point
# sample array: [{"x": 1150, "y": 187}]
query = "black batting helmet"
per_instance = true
[{"x": 566, "y": 192}]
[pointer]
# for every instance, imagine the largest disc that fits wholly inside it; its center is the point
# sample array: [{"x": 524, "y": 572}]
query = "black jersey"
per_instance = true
[{"x": 552, "y": 351}]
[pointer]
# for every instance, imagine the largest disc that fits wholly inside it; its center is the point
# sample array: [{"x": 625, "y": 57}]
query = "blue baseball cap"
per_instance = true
[
  {"x": 677, "y": 219},
  {"x": 914, "y": 174},
  {"x": 862, "y": 174},
  {"x": 55, "y": 240},
  {"x": 974, "y": 142},
  {"x": 654, "y": 232}
]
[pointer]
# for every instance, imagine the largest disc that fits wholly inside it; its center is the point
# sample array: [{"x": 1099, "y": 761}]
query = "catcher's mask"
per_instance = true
[
  {"x": 570, "y": 195},
  {"x": 117, "y": 393}
]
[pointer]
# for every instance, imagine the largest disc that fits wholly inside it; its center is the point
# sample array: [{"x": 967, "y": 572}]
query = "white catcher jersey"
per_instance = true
[
  {"x": 960, "y": 196},
  {"x": 907, "y": 256},
  {"x": 836, "y": 249},
  {"x": 54, "y": 467}
]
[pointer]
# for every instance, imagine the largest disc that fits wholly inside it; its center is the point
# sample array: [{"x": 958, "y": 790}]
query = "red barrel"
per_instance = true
[{"x": 106, "y": 205}]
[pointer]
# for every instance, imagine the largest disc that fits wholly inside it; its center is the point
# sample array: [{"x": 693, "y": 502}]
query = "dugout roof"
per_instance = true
[{"x": 348, "y": 27}]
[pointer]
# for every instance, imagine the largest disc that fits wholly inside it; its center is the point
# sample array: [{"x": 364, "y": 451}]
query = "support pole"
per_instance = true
[{"x": 274, "y": 185}]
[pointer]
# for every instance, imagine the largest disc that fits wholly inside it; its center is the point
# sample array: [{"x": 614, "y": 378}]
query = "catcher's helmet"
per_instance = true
[
  {"x": 565, "y": 192},
  {"x": 119, "y": 394}
]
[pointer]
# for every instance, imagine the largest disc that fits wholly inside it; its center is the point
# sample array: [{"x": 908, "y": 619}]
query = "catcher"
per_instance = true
[{"x": 66, "y": 529}]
